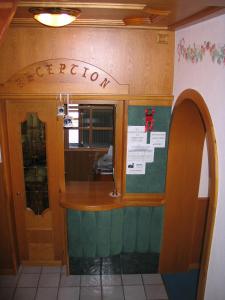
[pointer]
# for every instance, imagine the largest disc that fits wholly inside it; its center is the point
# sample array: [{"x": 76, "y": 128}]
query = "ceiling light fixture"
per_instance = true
[{"x": 55, "y": 17}]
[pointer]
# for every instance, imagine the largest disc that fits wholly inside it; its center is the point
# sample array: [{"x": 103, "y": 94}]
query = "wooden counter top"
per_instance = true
[
  {"x": 95, "y": 196},
  {"x": 89, "y": 196}
]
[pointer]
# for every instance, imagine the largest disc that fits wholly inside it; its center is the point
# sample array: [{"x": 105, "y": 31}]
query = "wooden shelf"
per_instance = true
[
  {"x": 144, "y": 199},
  {"x": 95, "y": 196}
]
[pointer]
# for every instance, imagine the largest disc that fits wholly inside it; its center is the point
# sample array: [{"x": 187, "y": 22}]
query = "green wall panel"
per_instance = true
[
  {"x": 75, "y": 233},
  {"x": 89, "y": 234},
  {"x": 129, "y": 229},
  {"x": 116, "y": 231},
  {"x": 143, "y": 222},
  {"x": 153, "y": 181},
  {"x": 106, "y": 233},
  {"x": 156, "y": 229},
  {"x": 103, "y": 228}
]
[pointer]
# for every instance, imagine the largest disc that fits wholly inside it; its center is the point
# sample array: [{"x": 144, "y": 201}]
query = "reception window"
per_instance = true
[
  {"x": 89, "y": 142},
  {"x": 89, "y": 126}
]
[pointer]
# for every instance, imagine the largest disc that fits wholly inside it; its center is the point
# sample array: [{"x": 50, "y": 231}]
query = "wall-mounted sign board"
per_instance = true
[{"x": 147, "y": 151}]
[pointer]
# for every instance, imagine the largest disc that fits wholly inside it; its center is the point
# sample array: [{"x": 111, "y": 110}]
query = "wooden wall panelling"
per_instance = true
[
  {"x": 119, "y": 146},
  {"x": 56, "y": 160},
  {"x": 187, "y": 135},
  {"x": 198, "y": 232},
  {"x": 5, "y": 249},
  {"x": 39, "y": 236},
  {"x": 79, "y": 164},
  {"x": 41, "y": 253},
  {"x": 84, "y": 75},
  {"x": 125, "y": 125},
  {"x": 8, "y": 250},
  {"x": 147, "y": 68},
  {"x": 60, "y": 153}
]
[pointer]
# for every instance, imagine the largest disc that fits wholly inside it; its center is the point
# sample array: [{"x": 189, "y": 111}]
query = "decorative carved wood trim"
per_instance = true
[
  {"x": 132, "y": 6},
  {"x": 75, "y": 76},
  {"x": 105, "y": 23},
  {"x": 157, "y": 100}
]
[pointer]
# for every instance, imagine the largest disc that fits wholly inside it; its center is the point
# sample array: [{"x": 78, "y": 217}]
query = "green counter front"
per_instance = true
[{"x": 131, "y": 230}]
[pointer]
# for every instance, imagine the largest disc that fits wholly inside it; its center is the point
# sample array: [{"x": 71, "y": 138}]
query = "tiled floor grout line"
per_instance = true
[
  {"x": 123, "y": 288},
  {"x": 60, "y": 274},
  {"x": 80, "y": 288},
  {"x": 101, "y": 286},
  {"x": 14, "y": 292},
  {"x": 144, "y": 286},
  {"x": 38, "y": 284}
]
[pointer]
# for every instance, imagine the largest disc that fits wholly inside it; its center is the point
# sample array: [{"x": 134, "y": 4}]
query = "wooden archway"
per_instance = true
[{"x": 190, "y": 107}]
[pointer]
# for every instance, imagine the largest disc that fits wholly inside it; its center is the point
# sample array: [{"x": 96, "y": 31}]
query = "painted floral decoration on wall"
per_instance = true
[{"x": 196, "y": 53}]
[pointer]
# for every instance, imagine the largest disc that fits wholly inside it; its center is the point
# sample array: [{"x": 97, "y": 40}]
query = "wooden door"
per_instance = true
[
  {"x": 182, "y": 222},
  {"x": 32, "y": 133}
]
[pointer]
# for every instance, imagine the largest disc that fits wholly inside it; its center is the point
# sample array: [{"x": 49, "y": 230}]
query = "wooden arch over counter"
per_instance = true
[
  {"x": 74, "y": 75},
  {"x": 195, "y": 101}
]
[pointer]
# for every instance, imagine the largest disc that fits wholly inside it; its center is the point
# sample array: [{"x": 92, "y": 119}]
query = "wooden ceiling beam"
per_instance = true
[
  {"x": 7, "y": 11},
  {"x": 205, "y": 14}
]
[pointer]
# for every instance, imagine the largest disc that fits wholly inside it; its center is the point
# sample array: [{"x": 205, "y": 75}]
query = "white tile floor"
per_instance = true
[{"x": 51, "y": 283}]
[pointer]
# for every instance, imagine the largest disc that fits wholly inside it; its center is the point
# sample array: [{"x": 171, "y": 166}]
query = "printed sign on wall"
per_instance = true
[{"x": 139, "y": 152}]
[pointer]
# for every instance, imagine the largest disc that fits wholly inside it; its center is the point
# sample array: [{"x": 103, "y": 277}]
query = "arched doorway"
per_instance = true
[{"x": 191, "y": 124}]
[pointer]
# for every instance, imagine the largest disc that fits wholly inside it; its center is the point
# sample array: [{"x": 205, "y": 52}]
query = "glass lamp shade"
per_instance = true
[
  {"x": 54, "y": 20},
  {"x": 55, "y": 17}
]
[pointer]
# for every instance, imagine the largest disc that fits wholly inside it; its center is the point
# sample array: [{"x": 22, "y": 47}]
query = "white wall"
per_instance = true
[
  {"x": 208, "y": 79},
  {"x": 204, "y": 179}
]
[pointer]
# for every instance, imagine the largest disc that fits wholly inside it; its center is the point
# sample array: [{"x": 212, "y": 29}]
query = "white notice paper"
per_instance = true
[
  {"x": 137, "y": 157},
  {"x": 158, "y": 139},
  {"x": 136, "y": 135},
  {"x": 138, "y": 151},
  {"x": 149, "y": 153},
  {"x": 135, "y": 167}
]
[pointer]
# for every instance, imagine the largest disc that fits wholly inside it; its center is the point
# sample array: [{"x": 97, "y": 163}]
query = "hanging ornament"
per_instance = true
[
  {"x": 60, "y": 107},
  {"x": 149, "y": 119},
  {"x": 68, "y": 119}
]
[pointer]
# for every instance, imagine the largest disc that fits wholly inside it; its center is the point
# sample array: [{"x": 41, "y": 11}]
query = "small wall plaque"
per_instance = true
[{"x": 162, "y": 38}]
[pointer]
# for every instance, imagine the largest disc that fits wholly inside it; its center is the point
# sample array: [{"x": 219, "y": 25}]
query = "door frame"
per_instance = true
[{"x": 198, "y": 101}]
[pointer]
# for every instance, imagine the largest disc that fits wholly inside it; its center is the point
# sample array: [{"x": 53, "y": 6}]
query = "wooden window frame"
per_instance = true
[
  {"x": 90, "y": 128},
  {"x": 118, "y": 134}
]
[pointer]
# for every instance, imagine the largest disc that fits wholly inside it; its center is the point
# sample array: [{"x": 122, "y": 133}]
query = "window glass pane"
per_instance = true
[
  {"x": 78, "y": 137},
  {"x": 102, "y": 138},
  {"x": 84, "y": 138},
  {"x": 35, "y": 164},
  {"x": 84, "y": 117},
  {"x": 103, "y": 118},
  {"x": 73, "y": 137},
  {"x": 80, "y": 116}
]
